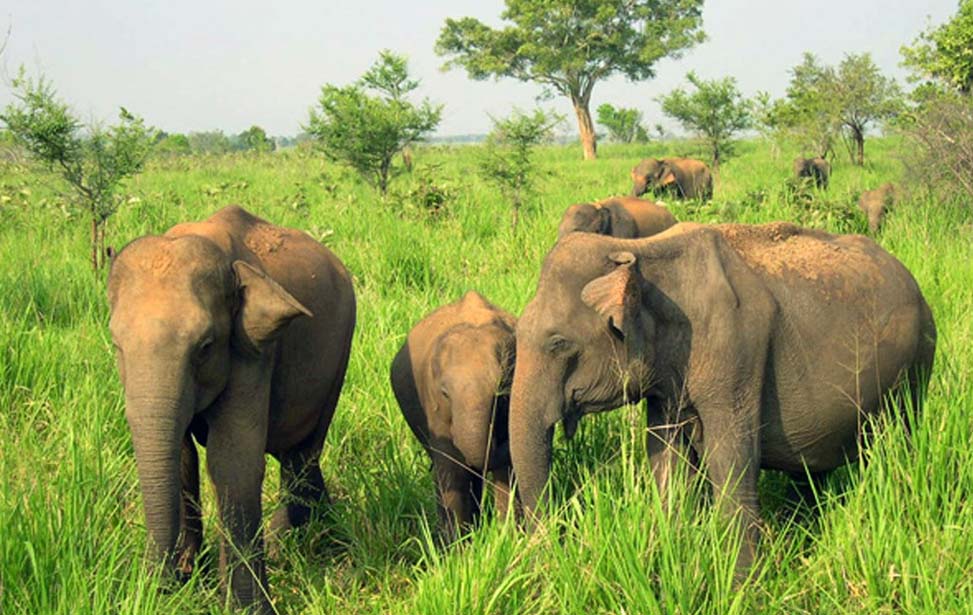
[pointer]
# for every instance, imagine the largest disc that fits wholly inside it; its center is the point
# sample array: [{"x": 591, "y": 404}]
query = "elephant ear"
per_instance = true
[
  {"x": 265, "y": 309},
  {"x": 617, "y": 296}
]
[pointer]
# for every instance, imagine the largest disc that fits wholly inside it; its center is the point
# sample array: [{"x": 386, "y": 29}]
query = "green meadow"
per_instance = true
[{"x": 891, "y": 535}]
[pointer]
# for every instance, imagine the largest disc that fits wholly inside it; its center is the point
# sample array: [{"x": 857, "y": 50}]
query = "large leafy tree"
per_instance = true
[
  {"x": 365, "y": 125},
  {"x": 569, "y": 45},
  {"x": 863, "y": 96},
  {"x": 715, "y": 111},
  {"x": 945, "y": 54}
]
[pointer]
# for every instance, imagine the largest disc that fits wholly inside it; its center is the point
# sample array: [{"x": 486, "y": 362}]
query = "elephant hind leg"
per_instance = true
[
  {"x": 190, "y": 514},
  {"x": 302, "y": 486}
]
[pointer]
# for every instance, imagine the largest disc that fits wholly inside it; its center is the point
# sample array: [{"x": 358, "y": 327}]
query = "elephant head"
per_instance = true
[
  {"x": 581, "y": 348},
  {"x": 585, "y": 218},
  {"x": 648, "y": 174},
  {"x": 182, "y": 313},
  {"x": 472, "y": 367}
]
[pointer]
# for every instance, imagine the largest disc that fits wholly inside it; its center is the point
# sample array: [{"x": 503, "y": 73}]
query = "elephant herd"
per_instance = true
[{"x": 753, "y": 346}]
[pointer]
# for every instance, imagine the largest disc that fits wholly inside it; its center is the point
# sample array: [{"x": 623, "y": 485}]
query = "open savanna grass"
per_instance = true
[{"x": 892, "y": 535}]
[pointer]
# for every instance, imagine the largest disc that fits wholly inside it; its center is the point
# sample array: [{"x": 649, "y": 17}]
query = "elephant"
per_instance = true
[
  {"x": 684, "y": 178},
  {"x": 451, "y": 379},
  {"x": 754, "y": 347},
  {"x": 234, "y": 333},
  {"x": 817, "y": 169},
  {"x": 623, "y": 216},
  {"x": 875, "y": 203}
]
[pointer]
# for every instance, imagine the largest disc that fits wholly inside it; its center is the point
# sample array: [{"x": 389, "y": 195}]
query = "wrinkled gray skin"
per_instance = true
[
  {"x": 623, "y": 217},
  {"x": 452, "y": 382},
  {"x": 683, "y": 178},
  {"x": 234, "y": 333},
  {"x": 755, "y": 346},
  {"x": 875, "y": 203},
  {"x": 818, "y": 170}
]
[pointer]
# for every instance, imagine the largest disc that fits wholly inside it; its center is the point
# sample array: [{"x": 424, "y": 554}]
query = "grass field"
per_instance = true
[{"x": 890, "y": 536}]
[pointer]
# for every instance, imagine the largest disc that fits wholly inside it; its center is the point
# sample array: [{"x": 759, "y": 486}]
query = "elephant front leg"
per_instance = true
[
  {"x": 503, "y": 492},
  {"x": 665, "y": 443},
  {"x": 235, "y": 459},
  {"x": 458, "y": 508},
  {"x": 190, "y": 515}
]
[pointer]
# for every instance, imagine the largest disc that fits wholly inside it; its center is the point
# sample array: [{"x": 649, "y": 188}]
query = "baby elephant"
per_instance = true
[
  {"x": 817, "y": 170},
  {"x": 452, "y": 380},
  {"x": 624, "y": 217},
  {"x": 875, "y": 203}
]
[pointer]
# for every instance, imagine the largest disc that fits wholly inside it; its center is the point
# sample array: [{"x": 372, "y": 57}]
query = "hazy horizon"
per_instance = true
[{"x": 228, "y": 65}]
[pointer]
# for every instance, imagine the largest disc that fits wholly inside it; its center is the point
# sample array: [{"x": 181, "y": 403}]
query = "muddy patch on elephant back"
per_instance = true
[
  {"x": 264, "y": 239},
  {"x": 783, "y": 249}
]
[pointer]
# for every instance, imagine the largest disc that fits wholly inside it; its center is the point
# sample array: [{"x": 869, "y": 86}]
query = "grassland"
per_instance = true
[{"x": 892, "y": 535}]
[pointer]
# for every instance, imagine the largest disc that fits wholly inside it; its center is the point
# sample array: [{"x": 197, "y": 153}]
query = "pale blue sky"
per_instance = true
[{"x": 201, "y": 65}]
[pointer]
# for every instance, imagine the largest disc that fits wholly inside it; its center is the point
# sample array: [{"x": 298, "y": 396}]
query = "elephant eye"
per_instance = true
[
  {"x": 444, "y": 392},
  {"x": 203, "y": 348},
  {"x": 557, "y": 344}
]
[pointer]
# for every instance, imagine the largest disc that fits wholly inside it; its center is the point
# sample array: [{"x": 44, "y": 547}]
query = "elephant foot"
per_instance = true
[{"x": 186, "y": 553}]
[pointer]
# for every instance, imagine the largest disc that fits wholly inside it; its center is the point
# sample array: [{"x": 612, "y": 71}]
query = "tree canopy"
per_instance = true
[
  {"x": 367, "y": 123},
  {"x": 624, "y": 125},
  {"x": 945, "y": 54},
  {"x": 568, "y": 46},
  {"x": 715, "y": 112}
]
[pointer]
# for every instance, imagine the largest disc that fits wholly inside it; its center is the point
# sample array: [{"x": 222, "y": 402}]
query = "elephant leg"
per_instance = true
[
  {"x": 458, "y": 508},
  {"x": 732, "y": 457},
  {"x": 665, "y": 443},
  {"x": 302, "y": 486},
  {"x": 190, "y": 515},
  {"x": 502, "y": 492}
]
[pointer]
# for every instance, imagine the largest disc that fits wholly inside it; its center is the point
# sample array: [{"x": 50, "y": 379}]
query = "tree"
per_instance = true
[
  {"x": 807, "y": 113},
  {"x": 624, "y": 125},
  {"x": 944, "y": 55},
  {"x": 715, "y": 111},
  {"x": 568, "y": 46},
  {"x": 93, "y": 160},
  {"x": 209, "y": 142},
  {"x": 508, "y": 155},
  {"x": 255, "y": 139},
  {"x": 171, "y": 144},
  {"x": 364, "y": 125},
  {"x": 863, "y": 96}
]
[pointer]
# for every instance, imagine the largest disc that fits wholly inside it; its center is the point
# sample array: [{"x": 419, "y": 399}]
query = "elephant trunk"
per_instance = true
[
  {"x": 532, "y": 419},
  {"x": 158, "y": 425}
]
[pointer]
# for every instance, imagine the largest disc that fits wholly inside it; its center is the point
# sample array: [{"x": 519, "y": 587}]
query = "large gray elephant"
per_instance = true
[
  {"x": 234, "y": 333},
  {"x": 817, "y": 170},
  {"x": 876, "y": 203},
  {"x": 755, "y": 346},
  {"x": 683, "y": 178},
  {"x": 452, "y": 382},
  {"x": 622, "y": 216}
]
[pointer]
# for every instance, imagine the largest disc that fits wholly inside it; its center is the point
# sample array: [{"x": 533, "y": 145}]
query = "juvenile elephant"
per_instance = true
[
  {"x": 623, "y": 217},
  {"x": 680, "y": 177},
  {"x": 817, "y": 170},
  {"x": 875, "y": 203},
  {"x": 452, "y": 382},
  {"x": 756, "y": 346},
  {"x": 234, "y": 333}
]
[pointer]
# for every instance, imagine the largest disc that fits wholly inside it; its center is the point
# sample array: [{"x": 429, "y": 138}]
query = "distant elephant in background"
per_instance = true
[
  {"x": 235, "y": 333},
  {"x": 452, "y": 381},
  {"x": 683, "y": 178},
  {"x": 817, "y": 169},
  {"x": 875, "y": 203},
  {"x": 622, "y": 216}
]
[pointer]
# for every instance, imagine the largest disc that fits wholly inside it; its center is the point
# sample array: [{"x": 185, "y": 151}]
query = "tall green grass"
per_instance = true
[{"x": 892, "y": 535}]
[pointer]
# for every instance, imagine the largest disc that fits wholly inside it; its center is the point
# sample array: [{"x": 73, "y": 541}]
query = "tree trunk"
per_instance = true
[
  {"x": 860, "y": 143},
  {"x": 94, "y": 242},
  {"x": 586, "y": 128}
]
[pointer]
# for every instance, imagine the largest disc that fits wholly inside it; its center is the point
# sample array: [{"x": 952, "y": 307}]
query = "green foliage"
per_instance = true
[
  {"x": 824, "y": 103},
  {"x": 624, "y": 125},
  {"x": 715, "y": 112},
  {"x": 507, "y": 159},
  {"x": 93, "y": 162},
  {"x": 172, "y": 145},
  {"x": 366, "y": 131},
  {"x": 944, "y": 55},
  {"x": 209, "y": 142},
  {"x": 568, "y": 46},
  {"x": 255, "y": 139}
]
